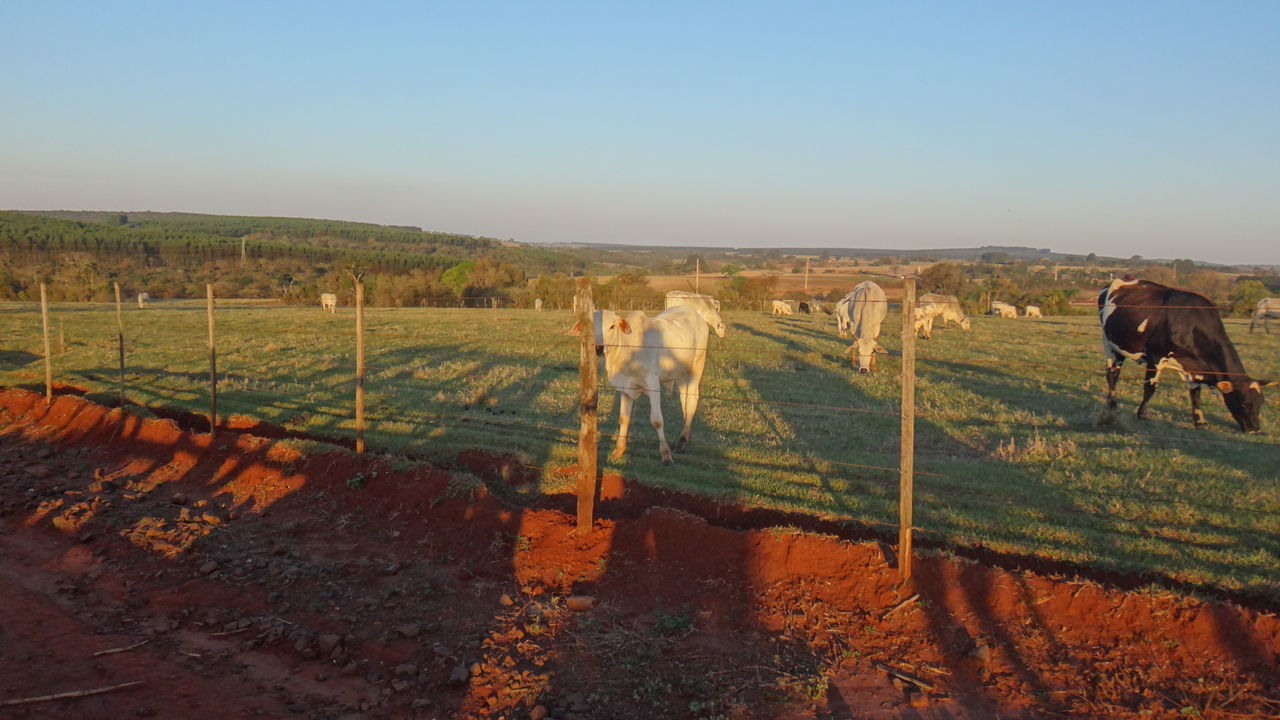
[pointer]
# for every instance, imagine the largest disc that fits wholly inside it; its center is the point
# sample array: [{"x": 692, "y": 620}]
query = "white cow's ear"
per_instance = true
[
  {"x": 1226, "y": 386},
  {"x": 1269, "y": 383},
  {"x": 576, "y": 329},
  {"x": 624, "y": 326},
  {"x": 881, "y": 350}
]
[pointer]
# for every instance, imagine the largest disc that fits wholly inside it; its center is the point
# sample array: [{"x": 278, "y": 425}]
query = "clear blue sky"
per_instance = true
[{"x": 1133, "y": 127}]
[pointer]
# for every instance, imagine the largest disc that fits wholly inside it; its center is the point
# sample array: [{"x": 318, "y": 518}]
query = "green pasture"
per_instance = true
[{"x": 1014, "y": 450}]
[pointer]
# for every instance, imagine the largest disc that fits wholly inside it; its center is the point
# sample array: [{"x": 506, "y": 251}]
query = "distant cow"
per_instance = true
[
  {"x": 1267, "y": 308},
  {"x": 642, "y": 355},
  {"x": 781, "y": 307},
  {"x": 143, "y": 300},
  {"x": 1032, "y": 311},
  {"x": 934, "y": 305},
  {"x": 537, "y": 304},
  {"x": 813, "y": 306},
  {"x": 684, "y": 297},
  {"x": 861, "y": 313},
  {"x": 329, "y": 301},
  {"x": 1003, "y": 309},
  {"x": 1180, "y": 330}
]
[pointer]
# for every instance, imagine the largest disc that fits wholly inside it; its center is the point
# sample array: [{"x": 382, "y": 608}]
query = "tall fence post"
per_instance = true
[
  {"x": 48, "y": 350},
  {"x": 907, "y": 441},
  {"x": 588, "y": 400},
  {"x": 359, "y": 365},
  {"x": 120, "y": 340},
  {"x": 213, "y": 369}
]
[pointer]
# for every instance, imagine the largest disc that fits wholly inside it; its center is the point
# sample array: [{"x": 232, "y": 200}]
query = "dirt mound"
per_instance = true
[{"x": 265, "y": 583}]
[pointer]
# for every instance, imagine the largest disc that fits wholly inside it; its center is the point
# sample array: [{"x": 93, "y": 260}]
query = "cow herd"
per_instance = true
[{"x": 1142, "y": 321}]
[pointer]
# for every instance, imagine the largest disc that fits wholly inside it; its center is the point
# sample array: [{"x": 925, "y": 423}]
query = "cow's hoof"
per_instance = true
[
  {"x": 668, "y": 461},
  {"x": 1200, "y": 425},
  {"x": 681, "y": 445}
]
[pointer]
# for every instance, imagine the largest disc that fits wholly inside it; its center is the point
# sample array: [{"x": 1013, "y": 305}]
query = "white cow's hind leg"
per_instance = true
[
  {"x": 655, "y": 417},
  {"x": 624, "y": 425},
  {"x": 688, "y": 406}
]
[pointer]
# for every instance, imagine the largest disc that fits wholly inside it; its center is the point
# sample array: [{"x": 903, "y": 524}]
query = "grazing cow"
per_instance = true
[
  {"x": 1032, "y": 311},
  {"x": 684, "y": 297},
  {"x": 143, "y": 300},
  {"x": 781, "y": 307},
  {"x": 329, "y": 301},
  {"x": 644, "y": 354},
  {"x": 1181, "y": 330},
  {"x": 861, "y": 312},
  {"x": 1267, "y": 308},
  {"x": 935, "y": 305},
  {"x": 537, "y": 304},
  {"x": 1003, "y": 309},
  {"x": 813, "y": 306}
]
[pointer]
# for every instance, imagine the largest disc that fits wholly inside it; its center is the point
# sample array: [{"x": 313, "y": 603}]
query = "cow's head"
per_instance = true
[
  {"x": 1244, "y": 401},
  {"x": 964, "y": 323},
  {"x": 607, "y": 323},
  {"x": 864, "y": 353},
  {"x": 713, "y": 319}
]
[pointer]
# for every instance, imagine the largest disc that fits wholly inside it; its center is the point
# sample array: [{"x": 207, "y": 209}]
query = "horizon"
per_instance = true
[
  {"x": 1145, "y": 129},
  {"x": 794, "y": 250}
]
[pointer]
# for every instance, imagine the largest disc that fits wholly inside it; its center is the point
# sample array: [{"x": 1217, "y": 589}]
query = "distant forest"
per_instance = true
[{"x": 79, "y": 255}]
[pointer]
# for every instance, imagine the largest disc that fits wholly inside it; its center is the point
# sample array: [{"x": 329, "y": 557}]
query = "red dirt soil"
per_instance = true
[{"x": 266, "y": 583}]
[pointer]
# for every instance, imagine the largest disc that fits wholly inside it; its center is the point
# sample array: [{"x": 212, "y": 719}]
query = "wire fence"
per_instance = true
[{"x": 550, "y": 415}]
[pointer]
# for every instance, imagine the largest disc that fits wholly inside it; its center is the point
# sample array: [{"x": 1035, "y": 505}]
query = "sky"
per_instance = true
[{"x": 1148, "y": 128}]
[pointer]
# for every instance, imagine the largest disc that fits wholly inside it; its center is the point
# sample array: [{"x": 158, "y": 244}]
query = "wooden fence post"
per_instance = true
[
  {"x": 588, "y": 399},
  {"x": 213, "y": 369},
  {"x": 907, "y": 441},
  {"x": 48, "y": 350},
  {"x": 359, "y": 365},
  {"x": 120, "y": 340}
]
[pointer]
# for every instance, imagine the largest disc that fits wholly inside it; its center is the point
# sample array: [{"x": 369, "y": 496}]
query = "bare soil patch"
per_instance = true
[{"x": 272, "y": 584}]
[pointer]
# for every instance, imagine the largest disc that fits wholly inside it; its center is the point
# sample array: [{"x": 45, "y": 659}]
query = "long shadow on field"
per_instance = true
[{"x": 945, "y": 504}]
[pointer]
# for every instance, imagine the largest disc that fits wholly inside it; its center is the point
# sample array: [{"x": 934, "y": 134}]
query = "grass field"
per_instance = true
[{"x": 1011, "y": 452}]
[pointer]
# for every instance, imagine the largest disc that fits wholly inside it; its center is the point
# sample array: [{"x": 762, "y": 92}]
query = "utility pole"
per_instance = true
[
  {"x": 806, "y": 275},
  {"x": 697, "y": 274}
]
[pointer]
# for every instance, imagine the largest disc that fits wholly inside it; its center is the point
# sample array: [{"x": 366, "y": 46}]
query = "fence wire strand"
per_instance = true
[{"x": 527, "y": 423}]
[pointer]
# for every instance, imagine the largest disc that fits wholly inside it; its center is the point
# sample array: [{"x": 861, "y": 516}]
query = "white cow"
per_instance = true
[
  {"x": 1032, "y": 311},
  {"x": 329, "y": 301},
  {"x": 1267, "y": 308},
  {"x": 143, "y": 300},
  {"x": 862, "y": 312},
  {"x": 1003, "y": 309},
  {"x": 642, "y": 355},
  {"x": 781, "y": 307},
  {"x": 537, "y": 304},
  {"x": 684, "y": 297},
  {"x": 935, "y": 305}
]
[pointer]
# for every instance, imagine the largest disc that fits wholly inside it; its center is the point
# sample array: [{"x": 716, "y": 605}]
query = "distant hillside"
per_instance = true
[
  {"x": 284, "y": 228},
  {"x": 1010, "y": 252},
  {"x": 366, "y": 244},
  {"x": 80, "y": 255}
]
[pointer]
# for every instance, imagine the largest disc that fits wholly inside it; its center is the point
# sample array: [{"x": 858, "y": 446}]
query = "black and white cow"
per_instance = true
[{"x": 1179, "y": 330}]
